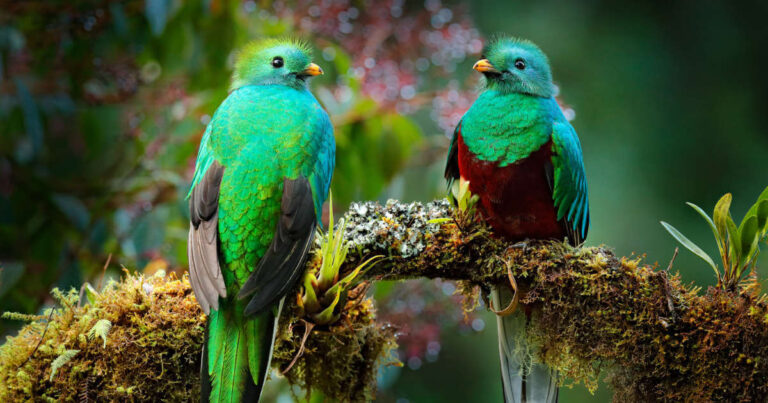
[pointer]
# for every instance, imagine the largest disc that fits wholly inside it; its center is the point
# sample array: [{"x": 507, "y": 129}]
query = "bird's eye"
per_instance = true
[
  {"x": 277, "y": 62},
  {"x": 520, "y": 64}
]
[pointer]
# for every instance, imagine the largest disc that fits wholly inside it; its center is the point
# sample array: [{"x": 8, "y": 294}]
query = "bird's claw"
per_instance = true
[
  {"x": 512, "y": 306},
  {"x": 522, "y": 245}
]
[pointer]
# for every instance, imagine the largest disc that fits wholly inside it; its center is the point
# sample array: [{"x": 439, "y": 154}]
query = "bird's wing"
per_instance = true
[
  {"x": 283, "y": 262},
  {"x": 301, "y": 209},
  {"x": 202, "y": 246},
  {"x": 322, "y": 172},
  {"x": 568, "y": 181},
  {"x": 452, "y": 162}
]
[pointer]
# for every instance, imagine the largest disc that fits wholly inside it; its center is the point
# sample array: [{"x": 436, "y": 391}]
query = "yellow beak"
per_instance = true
[
  {"x": 312, "y": 70},
  {"x": 485, "y": 66}
]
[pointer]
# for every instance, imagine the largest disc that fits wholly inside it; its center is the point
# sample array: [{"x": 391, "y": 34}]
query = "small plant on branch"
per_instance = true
[
  {"x": 463, "y": 202},
  {"x": 738, "y": 246},
  {"x": 324, "y": 292}
]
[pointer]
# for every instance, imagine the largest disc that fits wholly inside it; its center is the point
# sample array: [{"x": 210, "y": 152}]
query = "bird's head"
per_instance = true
[
  {"x": 274, "y": 61},
  {"x": 516, "y": 65}
]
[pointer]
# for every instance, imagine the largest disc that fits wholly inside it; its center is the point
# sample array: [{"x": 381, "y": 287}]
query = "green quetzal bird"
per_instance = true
[
  {"x": 523, "y": 159},
  {"x": 262, "y": 174}
]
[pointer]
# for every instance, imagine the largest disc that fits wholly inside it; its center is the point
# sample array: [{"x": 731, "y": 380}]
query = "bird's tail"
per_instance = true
[
  {"x": 237, "y": 353},
  {"x": 523, "y": 379}
]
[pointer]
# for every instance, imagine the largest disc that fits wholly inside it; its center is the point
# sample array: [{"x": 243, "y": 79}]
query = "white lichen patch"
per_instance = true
[{"x": 398, "y": 228}]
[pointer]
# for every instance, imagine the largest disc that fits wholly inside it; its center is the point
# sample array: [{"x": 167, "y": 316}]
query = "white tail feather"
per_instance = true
[{"x": 523, "y": 379}]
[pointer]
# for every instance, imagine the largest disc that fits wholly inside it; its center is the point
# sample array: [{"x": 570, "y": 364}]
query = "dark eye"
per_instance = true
[
  {"x": 520, "y": 64},
  {"x": 277, "y": 62}
]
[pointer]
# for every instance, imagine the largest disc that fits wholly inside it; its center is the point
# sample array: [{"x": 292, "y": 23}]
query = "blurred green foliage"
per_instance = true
[{"x": 102, "y": 106}]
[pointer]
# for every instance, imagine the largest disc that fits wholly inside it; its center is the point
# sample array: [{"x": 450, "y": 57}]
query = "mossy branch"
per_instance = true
[{"x": 657, "y": 338}]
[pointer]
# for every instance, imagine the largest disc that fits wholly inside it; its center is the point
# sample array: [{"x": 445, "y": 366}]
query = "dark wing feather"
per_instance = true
[
  {"x": 452, "y": 162},
  {"x": 202, "y": 246},
  {"x": 283, "y": 263}
]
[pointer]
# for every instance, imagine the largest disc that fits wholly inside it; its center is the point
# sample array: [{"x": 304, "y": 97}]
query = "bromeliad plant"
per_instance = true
[
  {"x": 461, "y": 197},
  {"x": 324, "y": 293},
  {"x": 738, "y": 246},
  {"x": 463, "y": 202}
]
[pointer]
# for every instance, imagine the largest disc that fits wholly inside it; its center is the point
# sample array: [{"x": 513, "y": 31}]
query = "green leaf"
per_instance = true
[
  {"x": 721, "y": 214},
  {"x": 59, "y": 362},
  {"x": 762, "y": 217},
  {"x": 734, "y": 241},
  {"x": 718, "y": 240},
  {"x": 760, "y": 210},
  {"x": 461, "y": 193},
  {"x": 749, "y": 235},
  {"x": 309, "y": 300},
  {"x": 326, "y": 316},
  {"x": 705, "y": 216},
  {"x": 691, "y": 246},
  {"x": 100, "y": 329},
  {"x": 91, "y": 294},
  {"x": 343, "y": 284}
]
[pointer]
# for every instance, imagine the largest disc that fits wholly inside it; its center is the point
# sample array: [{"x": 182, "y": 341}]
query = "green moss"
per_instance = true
[
  {"x": 340, "y": 360},
  {"x": 150, "y": 352},
  {"x": 592, "y": 313},
  {"x": 141, "y": 339}
]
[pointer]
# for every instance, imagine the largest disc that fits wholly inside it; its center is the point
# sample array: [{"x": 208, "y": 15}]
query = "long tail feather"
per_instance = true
[
  {"x": 523, "y": 379},
  {"x": 237, "y": 353},
  {"x": 205, "y": 378}
]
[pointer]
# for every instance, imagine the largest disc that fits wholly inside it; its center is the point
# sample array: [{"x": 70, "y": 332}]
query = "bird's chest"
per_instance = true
[{"x": 515, "y": 198}]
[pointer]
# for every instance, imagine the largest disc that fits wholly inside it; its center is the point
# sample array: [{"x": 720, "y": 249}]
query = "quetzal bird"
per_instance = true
[
  {"x": 262, "y": 174},
  {"x": 523, "y": 159}
]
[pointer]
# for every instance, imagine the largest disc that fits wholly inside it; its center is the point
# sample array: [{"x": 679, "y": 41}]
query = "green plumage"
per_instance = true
[
  {"x": 263, "y": 134},
  {"x": 506, "y": 127},
  {"x": 268, "y": 130},
  {"x": 523, "y": 160}
]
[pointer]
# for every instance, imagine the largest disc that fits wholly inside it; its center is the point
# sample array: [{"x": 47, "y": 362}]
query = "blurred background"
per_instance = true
[{"x": 102, "y": 106}]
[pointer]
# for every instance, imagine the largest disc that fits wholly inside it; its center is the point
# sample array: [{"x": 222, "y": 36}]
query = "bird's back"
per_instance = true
[{"x": 262, "y": 134}]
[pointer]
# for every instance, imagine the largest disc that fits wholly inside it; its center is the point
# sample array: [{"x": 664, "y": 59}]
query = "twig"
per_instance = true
[
  {"x": 672, "y": 261},
  {"x": 47, "y": 323},
  {"x": 104, "y": 271},
  {"x": 308, "y": 326}
]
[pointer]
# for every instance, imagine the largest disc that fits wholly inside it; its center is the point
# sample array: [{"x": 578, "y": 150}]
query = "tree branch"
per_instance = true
[{"x": 657, "y": 338}]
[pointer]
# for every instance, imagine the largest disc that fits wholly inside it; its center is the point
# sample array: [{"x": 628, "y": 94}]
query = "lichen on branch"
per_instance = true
[{"x": 656, "y": 337}]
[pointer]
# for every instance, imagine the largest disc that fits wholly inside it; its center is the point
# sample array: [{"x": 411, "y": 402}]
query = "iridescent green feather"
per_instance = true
[
  {"x": 508, "y": 127},
  {"x": 515, "y": 116},
  {"x": 570, "y": 187},
  {"x": 269, "y": 128}
]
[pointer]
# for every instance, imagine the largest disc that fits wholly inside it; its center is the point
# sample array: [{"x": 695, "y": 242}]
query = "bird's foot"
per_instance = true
[
  {"x": 523, "y": 245},
  {"x": 512, "y": 306}
]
